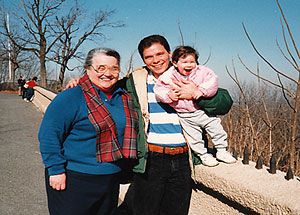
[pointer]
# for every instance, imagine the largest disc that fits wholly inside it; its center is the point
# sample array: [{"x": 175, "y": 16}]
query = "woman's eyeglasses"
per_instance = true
[{"x": 103, "y": 68}]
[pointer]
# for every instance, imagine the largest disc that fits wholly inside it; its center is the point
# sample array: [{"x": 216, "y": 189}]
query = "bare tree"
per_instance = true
[
  {"x": 291, "y": 95},
  {"x": 68, "y": 26},
  {"x": 9, "y": 51},
  {"x": 130, "y": 63},
  {"x": 36, "y": 18},
  {"x": 17, "y": 57},
  {"x": 3, "y": 69},
  {"x": 30, "y": 67},
  {"x": 194, "y": 43}
]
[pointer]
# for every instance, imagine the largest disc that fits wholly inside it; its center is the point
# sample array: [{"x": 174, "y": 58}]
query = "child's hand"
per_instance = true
[
  {"x": 197, "y": 94},
  {"x": 174, "y": 95}
]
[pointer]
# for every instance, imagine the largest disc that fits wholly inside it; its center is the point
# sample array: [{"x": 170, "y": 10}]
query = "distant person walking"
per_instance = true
[
  {"x": 23, "y": 89},
  {"x": 30, "y": 91},
  {"x": 20, "y": 85}
]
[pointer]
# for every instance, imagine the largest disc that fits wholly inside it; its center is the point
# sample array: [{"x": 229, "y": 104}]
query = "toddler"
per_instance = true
[{"x": 192, "y": 119}]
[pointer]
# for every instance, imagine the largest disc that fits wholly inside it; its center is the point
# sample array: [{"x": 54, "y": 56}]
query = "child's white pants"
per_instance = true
[{"x": 192, "y": 124}]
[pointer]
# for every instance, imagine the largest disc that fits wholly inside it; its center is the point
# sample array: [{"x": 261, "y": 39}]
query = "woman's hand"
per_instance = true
[
  {"x": 186, "y": 89},
  {"x": 58, "y": 182},
  {"x": 72, "y": 83}
]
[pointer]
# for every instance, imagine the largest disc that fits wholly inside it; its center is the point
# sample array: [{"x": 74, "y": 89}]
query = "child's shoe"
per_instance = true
[
  {"x": 225, "y": 156},
  {"x": 208, "y": 160}
]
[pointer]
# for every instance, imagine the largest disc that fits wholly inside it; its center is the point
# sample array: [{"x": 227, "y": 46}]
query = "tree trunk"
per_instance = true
[
  {"x": 43, "y": 81},
  {"x": 62, "y": 75},
  {"x": 294, "y": 127},
  {"x": 13, "y": 74}
]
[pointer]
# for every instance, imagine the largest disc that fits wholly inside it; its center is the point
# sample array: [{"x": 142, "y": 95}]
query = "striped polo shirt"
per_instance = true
[{"x": 164, "y": 127}]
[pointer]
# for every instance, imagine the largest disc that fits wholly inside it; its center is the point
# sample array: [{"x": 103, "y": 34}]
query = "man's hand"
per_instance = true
[
  {"x": 197, "y": 94},
  {"x": 58, "y": 182},
  {"x": 186, "y": 89},
  {"x": 174, "y": 95},
  {"x": 72, "y": 83}
]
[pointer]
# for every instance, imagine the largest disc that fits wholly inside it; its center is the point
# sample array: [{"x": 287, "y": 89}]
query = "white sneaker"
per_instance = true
[
  {"x": 226, "y": 157},
  {"x": 208, "y": 160}
]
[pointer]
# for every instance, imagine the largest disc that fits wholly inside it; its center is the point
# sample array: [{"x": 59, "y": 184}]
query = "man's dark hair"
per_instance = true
[
  {"x": 150, "y": 40},
  {"x": 182, "y": 51}
]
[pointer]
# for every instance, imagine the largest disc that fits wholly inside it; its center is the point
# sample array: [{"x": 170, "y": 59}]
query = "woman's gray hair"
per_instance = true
[{"x": 105, "y": 51}]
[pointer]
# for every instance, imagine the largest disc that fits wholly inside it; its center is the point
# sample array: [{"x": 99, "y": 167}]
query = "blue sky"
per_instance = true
[{"x": 214, "y": 25}]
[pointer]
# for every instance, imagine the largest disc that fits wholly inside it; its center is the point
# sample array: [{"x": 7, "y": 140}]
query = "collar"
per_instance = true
[
  {"x": 151, "y": 79},
  {"x": 116, "y": 90}
]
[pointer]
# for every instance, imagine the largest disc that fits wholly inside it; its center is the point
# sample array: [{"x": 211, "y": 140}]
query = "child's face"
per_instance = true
[{"x": 185, "y": 64}]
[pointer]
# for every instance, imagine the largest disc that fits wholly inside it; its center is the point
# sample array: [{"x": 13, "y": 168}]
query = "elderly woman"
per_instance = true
[{"x": 86, "y": 135}]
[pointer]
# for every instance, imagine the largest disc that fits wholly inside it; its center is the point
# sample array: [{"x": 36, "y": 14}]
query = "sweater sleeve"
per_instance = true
[
  {"x": 209, "y": 84},
  {"x": 161, "y": 91},
  {"x": 163, "y": 86},
  {"x": 54, "y": 128}
]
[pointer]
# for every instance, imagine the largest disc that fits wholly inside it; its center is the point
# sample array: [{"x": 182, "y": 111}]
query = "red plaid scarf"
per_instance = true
[{"x": 107, "y": 145}]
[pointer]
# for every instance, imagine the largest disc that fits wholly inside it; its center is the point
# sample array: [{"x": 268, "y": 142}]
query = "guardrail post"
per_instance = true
[
  {"x": 289, "y": 174},
  {"x": 234, "y": 154},
  {"x": 273, "y": 165},
  {"x": 259, "y": 163},
  {"x": 246, "y": 156}
]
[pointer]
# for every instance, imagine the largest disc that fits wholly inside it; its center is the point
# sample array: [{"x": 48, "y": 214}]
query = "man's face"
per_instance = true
[{"x": 157, "y": 59}]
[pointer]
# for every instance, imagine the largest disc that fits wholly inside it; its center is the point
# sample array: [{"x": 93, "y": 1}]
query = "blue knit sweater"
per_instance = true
[{"x": 67, "y": 137}]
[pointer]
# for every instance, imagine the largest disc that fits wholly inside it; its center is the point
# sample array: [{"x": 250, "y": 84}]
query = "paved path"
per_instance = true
[{"x": 22, "y": 190}]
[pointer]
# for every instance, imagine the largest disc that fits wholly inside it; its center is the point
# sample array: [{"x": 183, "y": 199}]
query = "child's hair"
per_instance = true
[{"x": 183, "y": 51}]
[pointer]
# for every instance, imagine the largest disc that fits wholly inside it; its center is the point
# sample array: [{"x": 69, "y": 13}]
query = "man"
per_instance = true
[
  {"x": 162, "y": 183},
  {"x": 20, "y": 85}
]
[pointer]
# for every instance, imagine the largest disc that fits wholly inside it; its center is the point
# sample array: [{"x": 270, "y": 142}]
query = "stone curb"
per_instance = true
[
  {"x": 257, "y": 190},
  {"x": 42, "y": 98}
]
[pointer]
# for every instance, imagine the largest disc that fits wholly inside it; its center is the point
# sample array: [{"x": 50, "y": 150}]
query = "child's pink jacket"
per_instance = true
[{"x": 203, "y": 77}]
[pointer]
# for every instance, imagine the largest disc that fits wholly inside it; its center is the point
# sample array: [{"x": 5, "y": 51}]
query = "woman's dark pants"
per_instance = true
[{"x": 85, "y": 194}]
